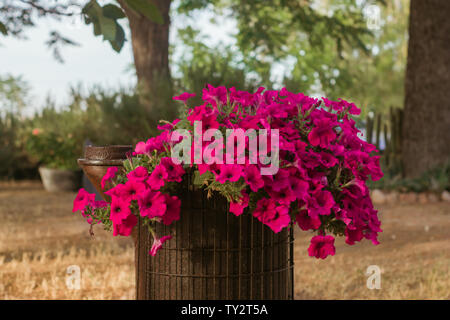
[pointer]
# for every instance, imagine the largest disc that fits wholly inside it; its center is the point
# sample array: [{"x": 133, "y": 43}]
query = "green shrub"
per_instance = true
[
  {"x": 54, "y": 138},
  {"x": 436, "y": 179}
]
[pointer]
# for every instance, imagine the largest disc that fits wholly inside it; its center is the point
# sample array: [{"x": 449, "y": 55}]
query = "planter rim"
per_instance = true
[
  {"x": 59, "y": 169},
  {"x": 92, "y": 162},
  {"x": 106, "y": 153}
]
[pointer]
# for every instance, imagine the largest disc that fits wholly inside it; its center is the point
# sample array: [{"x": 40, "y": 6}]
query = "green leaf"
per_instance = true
[
  {"x": 200, "y": 179},
  {"x": 108, "y": 28},
  {"x": 97, "y": 28},
  {"x": 3, "y": 29},
  {"x": 117, "y": 44},
  {"x": 92, "y": 9},
  {"x": 147, "y": 9},
  {"x": 113, "y": 12}
]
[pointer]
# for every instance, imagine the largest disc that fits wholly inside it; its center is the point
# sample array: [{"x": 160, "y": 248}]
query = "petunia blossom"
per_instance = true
[
  {"x": 125, "y": 226},
  {"x": 229, "y": 172},
  {"x": 152, "y": 204},
  {"x": 157, "y": 244},
  {"x": 184, "y": 96},
  {"x": 157, "y": 177},
  {"x": 82, "y": 199},
  {"x": 237, "y": 207},
  {"x": 109, "y": 175},
  {"x": 173, "y": 207},
  {"x": 321, "y": 247}
]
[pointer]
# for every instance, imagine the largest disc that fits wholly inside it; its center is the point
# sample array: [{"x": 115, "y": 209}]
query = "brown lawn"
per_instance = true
[{"x": 40, "y": 238}]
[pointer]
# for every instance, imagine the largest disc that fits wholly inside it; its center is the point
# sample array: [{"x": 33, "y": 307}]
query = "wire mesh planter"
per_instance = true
[{"x": 214, "y": 255}]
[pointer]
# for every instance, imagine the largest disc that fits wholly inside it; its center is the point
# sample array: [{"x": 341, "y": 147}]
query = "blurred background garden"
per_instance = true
[{"x": 391, "y": 58}]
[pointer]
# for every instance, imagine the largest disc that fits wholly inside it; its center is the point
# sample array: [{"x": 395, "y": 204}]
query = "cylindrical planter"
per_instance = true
[
  {"x": 97, "y": 160},
  {"x": 56, "y": 180},
  {"x": 214, "y": 255}
]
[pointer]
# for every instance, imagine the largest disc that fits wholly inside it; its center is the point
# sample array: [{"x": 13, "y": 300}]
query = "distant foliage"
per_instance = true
[{"x": 13, "y": 99}]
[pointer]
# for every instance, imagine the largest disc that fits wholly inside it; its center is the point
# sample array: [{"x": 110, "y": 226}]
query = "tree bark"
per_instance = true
[
  {"x": 150, "y": 43},
  {"x": 426, "y": 129}
]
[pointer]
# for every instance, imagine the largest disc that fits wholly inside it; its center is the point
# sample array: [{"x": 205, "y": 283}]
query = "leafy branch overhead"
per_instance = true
[
  {"x": 104, "y": 20},
  {"x": 16, "y": 16}
]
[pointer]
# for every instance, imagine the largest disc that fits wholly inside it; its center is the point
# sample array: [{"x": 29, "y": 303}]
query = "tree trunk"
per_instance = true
[
  {"x": 426, "y": 130},
  {"x": 150, "y": 42}
]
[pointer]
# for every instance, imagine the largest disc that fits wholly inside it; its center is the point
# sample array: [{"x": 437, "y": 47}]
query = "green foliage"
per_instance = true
[
  {"x": 147, "y": 9},
  {"x": 373, "y": 80},
  {"x": 112, "y": 117},
  {"x": 52, "y": 137},
  {"x": 3, "y": 29},
  {"x": 55, "y": 137},
  {"x": 17, "y": 16},
  {"x": 437, "y": 180},
  {"x": 13, "y": 99},
  {"x": 200, "y": 64},
  {"x": 104, "y": 20}
]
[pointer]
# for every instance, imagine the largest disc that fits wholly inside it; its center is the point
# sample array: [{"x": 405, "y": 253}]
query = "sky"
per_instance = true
[{"x": 93, "y": 62}]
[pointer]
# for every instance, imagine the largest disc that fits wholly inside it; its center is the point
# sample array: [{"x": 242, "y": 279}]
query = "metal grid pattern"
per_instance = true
[{"x": 214, "y": 255}]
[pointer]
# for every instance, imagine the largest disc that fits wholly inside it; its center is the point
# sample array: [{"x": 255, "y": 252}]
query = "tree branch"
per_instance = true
[{"x": 55, "y": 10}]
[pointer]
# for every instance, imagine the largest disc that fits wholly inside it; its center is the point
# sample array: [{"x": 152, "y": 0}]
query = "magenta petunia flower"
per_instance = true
[
  {"x": 157, "y": 244},
  {"x": 82, "y": 199},
  {"x": 125, "y": 227},
  {"x": 284, "y": 196},
  {"x": 120, "y": 210},
  {"x": 280, "y": 180},
  {"x": 229, "y": 172},
  {"x": 237, "y": 207},
  {"x": 131, "y": 190},
  {"x": 299, "y": 188},
  {"x": 320, "y": 203},
  {"x": 116, "y": 191},
  {"x": 214, "y": 95},
  {"x": 353, "y": 235},
  {"x": 321, "y": 247},
  {"x": 152, "y": 204},
  {"x": 174, "y": 171},
  {"x": 140, "y": 174},
  {"x": 157, "y": 178},
  {"x": 327, "y": 159},
  {"x": 109, "y": 175},
  {"x": 184, "y": 96},
  {"x": 280, "y": 220},
  {"x": 173, "y": 210},
  {"x": 265, "y": 210},
  {"x": 253, "y": 178},
  {"x": 305, "y": 222},
  {"x": 322, "y": 133}
]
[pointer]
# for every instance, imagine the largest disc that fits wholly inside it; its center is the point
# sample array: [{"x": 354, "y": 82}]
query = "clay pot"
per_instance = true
[
  {"x": 56, "y": 180},
  {"x": 97, "y": 160}
]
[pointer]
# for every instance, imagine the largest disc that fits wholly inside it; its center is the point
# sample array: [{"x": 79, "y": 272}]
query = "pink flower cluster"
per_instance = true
[{"x": 320, "y": 184}]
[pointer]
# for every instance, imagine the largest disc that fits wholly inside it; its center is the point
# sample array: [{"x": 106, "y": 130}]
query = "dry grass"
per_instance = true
[{"x": 40, "y": 238}]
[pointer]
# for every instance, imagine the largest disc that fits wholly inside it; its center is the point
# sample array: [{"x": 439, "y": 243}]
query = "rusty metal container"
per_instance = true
[{"x": 97, "y": 160}]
